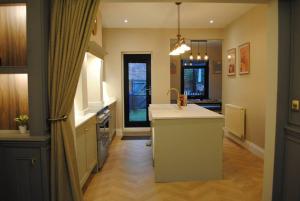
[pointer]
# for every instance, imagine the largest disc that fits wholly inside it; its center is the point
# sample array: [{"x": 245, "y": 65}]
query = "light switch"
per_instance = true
[{"x": 295, "y": 105}]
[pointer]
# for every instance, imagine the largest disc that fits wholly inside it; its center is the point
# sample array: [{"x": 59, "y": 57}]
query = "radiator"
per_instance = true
[{"x": 235, "y": 123}]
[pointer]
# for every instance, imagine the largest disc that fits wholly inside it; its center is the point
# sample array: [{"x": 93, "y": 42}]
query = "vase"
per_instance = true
[{"x": 23, "y": 129}]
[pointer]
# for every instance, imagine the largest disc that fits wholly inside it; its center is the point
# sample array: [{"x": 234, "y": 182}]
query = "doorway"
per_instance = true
[{"x": 137, "y": 89}]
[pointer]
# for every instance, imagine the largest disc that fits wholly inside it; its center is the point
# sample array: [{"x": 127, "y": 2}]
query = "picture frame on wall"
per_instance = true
[
  {"x": 231, "y": 64},
  {"x": 244, "y": 58}
]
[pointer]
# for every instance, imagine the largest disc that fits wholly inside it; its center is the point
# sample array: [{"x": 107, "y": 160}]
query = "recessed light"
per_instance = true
[
  {"x": 126, "y": 21},
  {"x": 211, "y": 21}
]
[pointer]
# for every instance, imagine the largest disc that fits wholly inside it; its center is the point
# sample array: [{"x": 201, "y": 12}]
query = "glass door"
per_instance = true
[{"x": 137, "y": 89}]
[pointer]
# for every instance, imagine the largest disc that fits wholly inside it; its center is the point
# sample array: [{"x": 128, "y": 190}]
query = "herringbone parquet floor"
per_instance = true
[{"x": 128, "y": 176}]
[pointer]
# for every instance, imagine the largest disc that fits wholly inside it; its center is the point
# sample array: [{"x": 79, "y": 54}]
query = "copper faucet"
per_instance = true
[{"x": 178, "y": 96}]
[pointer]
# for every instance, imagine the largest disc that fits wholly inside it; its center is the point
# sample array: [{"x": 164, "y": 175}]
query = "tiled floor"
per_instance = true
[{"x": 128, "y": 176}]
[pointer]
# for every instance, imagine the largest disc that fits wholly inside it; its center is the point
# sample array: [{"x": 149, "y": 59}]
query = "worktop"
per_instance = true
[
  {"x": 92, "y": 111},
  {"x": 171, "y": 111}
]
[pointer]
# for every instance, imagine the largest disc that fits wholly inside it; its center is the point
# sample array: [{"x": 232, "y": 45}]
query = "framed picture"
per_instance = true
[
  {"x": 231, "y": 56},
  {"x": 244, "y": 51}
]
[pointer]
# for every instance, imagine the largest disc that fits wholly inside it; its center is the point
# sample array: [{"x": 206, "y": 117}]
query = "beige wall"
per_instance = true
[
  {"x": 214, "y": 50},
  {"x": 98, "y": 36},
  {"x": 155, "y": 41},
  {"x": 249, "y": 90}
]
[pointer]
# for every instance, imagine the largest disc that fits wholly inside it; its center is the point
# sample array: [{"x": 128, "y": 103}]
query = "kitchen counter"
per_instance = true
[
  {"x": 171, "y": 111},
  {"x": 187, "y": 143},
  {"x": 92, "y": 111}
]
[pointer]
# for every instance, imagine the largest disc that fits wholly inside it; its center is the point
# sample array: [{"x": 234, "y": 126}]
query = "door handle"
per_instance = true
[
  {"x": 33, "y": 161},
  {"x": 295, "y": 105}
]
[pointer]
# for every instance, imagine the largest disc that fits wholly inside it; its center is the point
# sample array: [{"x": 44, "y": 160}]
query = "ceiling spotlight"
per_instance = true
[
  {"x": 211, "y": 21},
  {"x": 126, "y": 21}
]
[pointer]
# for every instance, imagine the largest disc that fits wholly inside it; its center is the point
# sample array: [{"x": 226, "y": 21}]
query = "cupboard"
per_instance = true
[
  {"x": 24, "y": 159},
  {"x": 86, "y": 149},
  {"x": 112, "y": 122}
]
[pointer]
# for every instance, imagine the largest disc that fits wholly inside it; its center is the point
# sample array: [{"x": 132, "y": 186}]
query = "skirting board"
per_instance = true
[
  {"x": 133, "y": 132},
  {"x": 253, "y": 148},
  {"x": 119, "y": 132}
]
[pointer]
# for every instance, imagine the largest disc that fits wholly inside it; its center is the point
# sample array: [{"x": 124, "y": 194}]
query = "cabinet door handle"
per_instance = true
[
  {"x": 86, "y": 130},
  {"x": 33, "y": 161}
]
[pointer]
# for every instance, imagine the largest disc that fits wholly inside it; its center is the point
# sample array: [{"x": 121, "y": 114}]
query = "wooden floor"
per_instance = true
[{"x": 128, "y": 176}]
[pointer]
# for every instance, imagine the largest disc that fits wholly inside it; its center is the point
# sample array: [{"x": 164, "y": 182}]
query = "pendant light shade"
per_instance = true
[
  {"x": 198, "y": 55},
  {"x": 180, "y": 47},
  {"x": 206, "y": 56},
  {"x": 191, "y": 57}
]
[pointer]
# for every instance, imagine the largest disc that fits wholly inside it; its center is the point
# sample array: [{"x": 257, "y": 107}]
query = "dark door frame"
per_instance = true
[
  {"x": 286, "y": 130},
  {"x": 136, "y": 57},
  {"x": 206, "y": 69}
]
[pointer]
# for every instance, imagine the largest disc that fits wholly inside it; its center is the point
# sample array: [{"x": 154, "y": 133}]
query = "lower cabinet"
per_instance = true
[
  {"x": 86, "y": 149},
  {"x": 24, "y": 169},
  {"x": 112, "y": 122}
]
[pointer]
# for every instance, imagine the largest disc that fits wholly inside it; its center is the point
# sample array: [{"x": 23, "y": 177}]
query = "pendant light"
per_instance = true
[
  {"x": 191, "y": 55},
  {"x": 180, "y": 47},
  {"x": 198, "y": 55},
  {"x": 206, "y": 56}
]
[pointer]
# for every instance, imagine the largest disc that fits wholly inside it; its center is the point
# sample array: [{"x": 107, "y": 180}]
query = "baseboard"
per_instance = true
[
  {"x": 253, "y": 148},
  {"x": 119, "y": 132},
  {"x": 140, "y": 129}
]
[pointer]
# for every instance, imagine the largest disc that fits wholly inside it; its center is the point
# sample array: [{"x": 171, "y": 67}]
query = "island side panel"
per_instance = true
[{"x": 188, "y": 149}]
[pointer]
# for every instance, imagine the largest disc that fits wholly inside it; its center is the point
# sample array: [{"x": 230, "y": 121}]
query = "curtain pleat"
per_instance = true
[{"x": 70, "y": 30}]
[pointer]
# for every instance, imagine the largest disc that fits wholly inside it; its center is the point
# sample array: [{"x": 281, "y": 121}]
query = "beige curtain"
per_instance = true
[{"x": 70, "y": 31}]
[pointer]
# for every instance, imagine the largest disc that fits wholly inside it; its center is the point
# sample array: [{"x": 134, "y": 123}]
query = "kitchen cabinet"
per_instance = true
[
  {"x": 86, "y": 149},
  {"x": 24, "y": 169},
  {"x": 112, "y": 122}
]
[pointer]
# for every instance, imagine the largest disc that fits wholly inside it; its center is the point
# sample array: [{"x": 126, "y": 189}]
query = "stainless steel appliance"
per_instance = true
[{"x": 103, "y": 118}]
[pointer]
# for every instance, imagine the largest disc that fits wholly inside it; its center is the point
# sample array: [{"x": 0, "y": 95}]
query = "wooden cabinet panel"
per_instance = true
[
  {"x": 13, "y": 42},
  {"x": 91, "y": 146},
  {"x": 291, "y": 169},
  {"x": 113, "y": 121},
  {"x": 24, "y": 175},
  {"x": 86, "y": 145},
  {"x": 81, "y": 153},
  {"x": 295, "y": 60},
  {"x": 13, "y": 99}
]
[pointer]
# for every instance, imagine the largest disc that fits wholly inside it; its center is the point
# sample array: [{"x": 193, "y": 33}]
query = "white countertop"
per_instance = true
[
  {"x": 92, "y": 111},
  {"x": 171, "y": 111}
]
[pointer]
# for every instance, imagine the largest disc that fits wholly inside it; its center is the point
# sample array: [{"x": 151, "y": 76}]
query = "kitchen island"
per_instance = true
[{"x": 187, "y": 143}]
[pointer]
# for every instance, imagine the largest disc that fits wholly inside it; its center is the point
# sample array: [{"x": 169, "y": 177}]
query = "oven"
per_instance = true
[{"x": 103, "y": 118}]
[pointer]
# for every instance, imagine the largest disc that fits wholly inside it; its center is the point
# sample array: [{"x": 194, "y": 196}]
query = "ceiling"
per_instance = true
[{"x": 164, "y": 15}]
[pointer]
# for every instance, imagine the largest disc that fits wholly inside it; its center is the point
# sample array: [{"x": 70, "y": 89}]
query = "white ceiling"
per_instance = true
[{"x": 164, "y": 15}]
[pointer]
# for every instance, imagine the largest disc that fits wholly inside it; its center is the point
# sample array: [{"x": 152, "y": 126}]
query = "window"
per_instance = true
[{"x": 194, "y": 79}]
